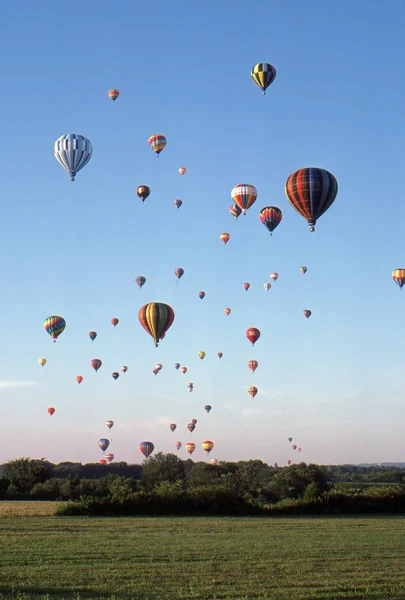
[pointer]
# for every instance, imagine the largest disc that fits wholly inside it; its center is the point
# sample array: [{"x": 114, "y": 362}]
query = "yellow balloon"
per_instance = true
[
  {"x": 42, "y": 361},
  {"x": 201, "y": 355}
]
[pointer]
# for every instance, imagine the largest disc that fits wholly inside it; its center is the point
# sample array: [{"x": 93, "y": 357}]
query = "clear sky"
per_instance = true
[{"x": 333, "y": 382}]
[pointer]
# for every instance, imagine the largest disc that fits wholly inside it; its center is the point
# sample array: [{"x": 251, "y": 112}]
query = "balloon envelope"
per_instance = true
[
  {"x": 146, "y": 448},
  {"x": 54, "y": 326},
  {"x": 157, "y": 142},
  {"x": 51, "y": 410},
  {"x": 263, "y": 74},
  {"x": 156, "y": 318},
  {"x": 103, "y": 443},
  {"x": 73, "y": 151}
]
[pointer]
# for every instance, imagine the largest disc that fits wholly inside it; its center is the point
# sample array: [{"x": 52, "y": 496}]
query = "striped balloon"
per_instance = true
[
  {"x": 146, "y": 448},
  {"x": 156, "y": 318},
  {"x": 399, "y": 277},
  {"x": 109, "y": 457},
  {"x": 103, "y": 444},
  {"x": 190, "y": 447},
  {"x": 271, "y": 216},
  {"x": 208, "y": 446},
  {"x": 311, "y": 192},
  {"x": 113, "y": 94},
  {"x": 143, "y": 192},
  {"x": 157, "y": 142},
  {"x": 244, "y": 195},
  {"x": 73, "y": 151},
  {"x": 54, "y": 326},
  {"x": 263, "y": 74}
]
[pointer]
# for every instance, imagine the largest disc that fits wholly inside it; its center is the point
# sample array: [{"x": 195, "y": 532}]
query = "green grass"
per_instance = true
[{"x": 195, "y": 558}]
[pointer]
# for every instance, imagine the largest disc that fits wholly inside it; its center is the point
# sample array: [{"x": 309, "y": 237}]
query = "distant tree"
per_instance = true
[
  {"x": 203, "y": 474},
  {"x": 4, "y": 485},
  {"x": 24, "y": 473},
  {"x": 161, "y": 467},
  {"x": 291, "y": 482}
]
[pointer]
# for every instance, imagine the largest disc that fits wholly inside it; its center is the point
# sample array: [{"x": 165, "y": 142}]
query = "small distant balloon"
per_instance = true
[
  {"x": 207, "y": 446},
  {"x": 140, "y": 280},
  {"x": 157, "y": 142},
  {"x": 102, "y": 461},
  {"x": 201, "y": 355},
  {"x": 103, "y": 443},
  {"x": 113, "y": 94},
  {"x": 307, "y": 313},
  {"x": 274, "y": 276},
  {"x": 220, "y": 354},
  {"x": 178, "y": 202},
  {"x": 172, "y": 426},
  {"x": 244, "y": 195},
  {"x": 79, "y": 379},
  {"x": 176, "y": 366},
  {"x": 288, "y": 462},
  {"x": 294, "y": 447},
  {"x": 42, "y": 361},
  {"x": 115, "y": 321},
  {"x": 253, "y": 364},
  {"x": 96, "y": 364},
  {"x": 271, "y": 217},
  {"x": 207, "y": 407},
  {"x": 267, "y": 286},
  {"x": 92, "y": 335},
  {"x": 201, "y": 295},
  {"x": 253, "y": 391},
  {"x": 183, "y": 370},
  {"x": 179, "y": 272},
  {"x": 177, "y": 445},
  {"x": 51, "y": 410},
  {"x": 156, "y": 318},
  {"x": 253, "y": 335},
  {"x": 246, "y": 286},
  {"x": 227, "y": 311},
  {"x": 263, "y": 74},
  {"x": 214, "y": 462},
  {"x": 143, "y": 191},
  {"x": 235, "y": 211},
  {"x": 191, "y": 427},
  {"x": 109, "y": 457},
  {"x": 193, "y": 421},
  {"x": 182, "y": 170},
  {"x": 399, "y": 277},
  {"x": 109, "y": 423},
  {"x": 115, "y": 375},
  {"x": 146, "y": 448},
  {"x": 73, "y": 151},
  {"x": 190, "y": 447},
  {"x": 225, "y": 237},
  {"x": 290, "y": 439},
  {"x": 124, "y": 368},
  {"x": 303, "y": 270}
]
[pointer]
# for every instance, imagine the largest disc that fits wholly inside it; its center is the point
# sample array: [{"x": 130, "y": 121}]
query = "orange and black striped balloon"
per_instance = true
[
  {"x": 399, "y": 277},
  {"x": 156, "y": 318},
  {"x": 311, "y": 192}
]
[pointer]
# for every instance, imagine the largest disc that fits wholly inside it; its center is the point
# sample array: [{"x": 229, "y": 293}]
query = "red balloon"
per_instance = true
[
  {"x": 252, "y": 335},
  {"x": 51, "y": 410}
]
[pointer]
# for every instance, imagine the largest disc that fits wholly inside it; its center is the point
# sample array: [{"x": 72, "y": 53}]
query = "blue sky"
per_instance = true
[{"x": 332, "y": 382}]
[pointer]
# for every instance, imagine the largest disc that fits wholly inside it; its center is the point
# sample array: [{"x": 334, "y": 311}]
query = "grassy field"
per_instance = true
[
  {"x": 28, "y": 509},
  {"x": 196, "y": 558}
]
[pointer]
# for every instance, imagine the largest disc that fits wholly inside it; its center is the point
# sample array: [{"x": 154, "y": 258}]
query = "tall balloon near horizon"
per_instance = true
[{"x": 73, "y": 151}]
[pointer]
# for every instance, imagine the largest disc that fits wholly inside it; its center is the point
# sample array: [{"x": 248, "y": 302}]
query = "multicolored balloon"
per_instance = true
[
  {"x": 42, "y": 361},
  {"x": 399, "y": 277},
  {"x": 246, "y": 286},
  {"x": 207, "y": 407},
  {"x": 177, "y": 366},
  {"x": 143, "y": 191},
  {"x": 220, "y": 354},
  {"x": 225, "y": 237},
  {"x": 109, "y": 423},
  {"x": 235, "y": 211},
  {"x": 179, "y": 272},
  {"x": 303, "y": 270},
  {"x": 307, "y": 313},
  {"x": 103, "y": 443},
  {"x": 92, "y": 335},
  {"x": 253, "y": 335},
  {"x": 140, "y": 280},
  {"x": 73, "y": 151},
  {"x": 191, "y": 427},
  {"x": 156, "y": 318},
  {"x": 113, "y": 94},
  {"x": 274, "y": 276},
  {"x": 146, "y": 448},
  {"x": 201, "y": 295},
  {"x": 109, "y": 457},
  {"x": 190, "y": 387},
  {"x": 271, "y": 217},
  {"x": 253, "y": 391},
  {"x": 193, "y": 421},
  {"x": 172, "y": 426},
  {"x": 178, "y": 202},
  {"x": 267, "y": 286},
  {"x": 263, "y": 74},
  {"x": 124, "y": 368},
  {"x": 253, "y": 364},
  {"x": 115, "y": 375},
  {"x": 311, "y": 192},
  {"x": 294, "y": 447},
  {"x": 214, "y": 462},
  {"x": 54, "y": 326},
  {"x": 96, "y": 364},
  {"x": 207, "y": 446},
  {"x": 227, "y": 311},
  {"x": 157, "y": 142},
  {"x": 244, "y": 195},
  {"x": 182, "y": 170},
  {"x": 190, "y": 447}
]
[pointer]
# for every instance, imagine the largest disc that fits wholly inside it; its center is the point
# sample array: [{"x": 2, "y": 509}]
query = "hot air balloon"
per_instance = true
[
  {"x": 191, "y": 427},
  {"x": 225, "y": 237},
  {"x": 157, "y": 142},
  {"x": 274, "y": 276},
  {"x": 143, "y": 191},
  {"x": 178, "y": 202},
  {"x": 79, "y": 379},
  {"x": 253, "y": 364},
  {"x": 51, "y": 410},
  {"x": 190, "y": 387},
  {"x": 183, "y": 370},
  {"x": 303, "y": 270},
  {"x": 182, "y": 170},
  {"x": 252, "y": 335},
  {"x": 156, "y": 318},
  {"x": 109, "y": 457},
  {"x": 115, "y": 375},
  {"x": 307, "y": 313},
  {"x": 201, "y": 355},
  {"x": 103, "y": 443},
  {"x": 109, "y": 424},
  {"x": 399, "y": 277},
  {"x": 177, "y": 366},
  {"x": 155, "y": 371},
  {"x": 220, "y": 354},
  {"x": 159, "y": 367},
  {"x": 267, "y": 286},
  {"x": 299, "y": 449},
  {"x": 263, "y": 74},
  {"x": 190, "y": 447},
  {"x": 54, "y": 326},
  {"x": 179, "y": 272},
  {"x": 290, "y": 439},
  {"x": 102, "y": 461},
  {"x": 311, "y": 192},
  {"x": 207, "y": 446},
  {"x": 214, "y": 462},
  {"x": 172, "y": 426},
  {"x": 208, "y": 407},
  {"x": 73, "y": 151},
  {"x": 235, "y": 211},
  {"x": 193, "y": 421},
  {"x": 177, "y": 445},
  {"x": 115, "y": 321},
  {"x": 96, "y": 364},
  {"x": 253, "y": 391},
  {"x": 270, "y": 216},
  {"x": 113, "y": 94},
  {"x": 201, "y": 295},
  {"x": 146, "y": 448},
  {"x": 124, "y": 368},
  {"x": 92, "y": 335},
  {"x": 246, "y": 286},
  {"x": 140, "y": 280},
  {"x": 227, "y": 311},
  {"x": 288, "y": 462},
  {"x": 42, "y": 361},
  {"x": 294, "y": 447},
  {"x": 244, "y": 195}
]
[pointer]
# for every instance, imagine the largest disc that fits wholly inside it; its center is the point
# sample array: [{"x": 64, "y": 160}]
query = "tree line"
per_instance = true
[{"x": 165, "y": 484}]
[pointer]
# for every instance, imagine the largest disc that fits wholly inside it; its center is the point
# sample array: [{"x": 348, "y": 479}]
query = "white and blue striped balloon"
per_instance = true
[{"x": 73, "y": 151}]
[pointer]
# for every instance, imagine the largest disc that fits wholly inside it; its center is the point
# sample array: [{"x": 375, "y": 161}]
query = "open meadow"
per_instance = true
[{"x": 202, "y": 558}]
